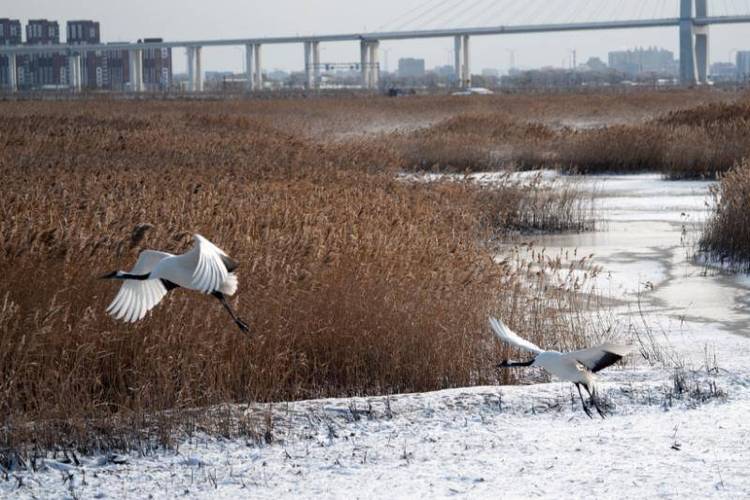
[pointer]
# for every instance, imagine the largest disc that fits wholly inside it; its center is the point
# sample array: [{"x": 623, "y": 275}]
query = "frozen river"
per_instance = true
[{"x": 645, "y": 238}]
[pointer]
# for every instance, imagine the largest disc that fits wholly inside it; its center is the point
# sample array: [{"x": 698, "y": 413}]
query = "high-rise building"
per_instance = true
[
  {"x": 117, "y": 64},
  {"x": 42, "y": 32},
  {"x": 157, "y": 66},
  {"x": 640, "y": 60},
  {"x": 83, "y": 32},
  {"x": 409, "y": 67},
  {"x": 10, "y": 34},
  {"x": 743, "y": 65},
  {"x": 42, "y": 69},
  {"x": 107, "y": 68},
  {"x": 93, "y": 63}
]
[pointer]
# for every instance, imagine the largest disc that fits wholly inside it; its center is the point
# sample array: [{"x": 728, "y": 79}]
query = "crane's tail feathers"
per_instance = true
[{"x": 229, "y": 286}]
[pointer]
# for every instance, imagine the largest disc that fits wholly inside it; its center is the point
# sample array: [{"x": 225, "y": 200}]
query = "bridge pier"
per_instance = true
[
  {"x": 374, "y": 73},
  {"x": 693, "y": 43},
  {"x": 462, "y": 61},
  {"x": 195, "y": 69},
  {"x": 466, "y": 80},
  {"x": 74, "y": 73},
  {"x": 368, "y": 62},
  {"x": 250, "y": 84},
  {"x": 308, "y": 66},
  {"x": 190, "y": 69},
  {"x": 258, "y": 71},
  {"x": 12, "y": 73},
  {"x": 316, "y": 64},
  {"x": 458, "y": 58},
  {"x": 135, "y": 57},
  {"x": 198, "y": 69},
  {"x": 364, "y": 63}
]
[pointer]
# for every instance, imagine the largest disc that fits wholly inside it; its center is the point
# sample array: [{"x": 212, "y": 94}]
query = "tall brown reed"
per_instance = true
[
  {"x": 353, "y": 282},
  {"x": 726, "y": 234}
]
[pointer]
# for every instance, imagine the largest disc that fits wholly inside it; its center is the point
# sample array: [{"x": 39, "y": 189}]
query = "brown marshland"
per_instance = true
[{"x": 354, "y": 281}]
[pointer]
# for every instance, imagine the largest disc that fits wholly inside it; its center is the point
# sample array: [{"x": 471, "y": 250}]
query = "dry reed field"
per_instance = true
[
  {"x": 726, "y": 235},
  {"x": 682, "y": 134},
  {"x": 353, "y": 281},
  {"x": 698, "y": 142}
]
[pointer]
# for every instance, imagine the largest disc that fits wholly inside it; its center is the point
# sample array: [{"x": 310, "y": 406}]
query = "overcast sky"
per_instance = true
[{"x": 128, "y": 20}]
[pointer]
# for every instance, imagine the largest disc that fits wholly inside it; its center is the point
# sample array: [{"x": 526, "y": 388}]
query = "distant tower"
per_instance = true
[{"x": 693, "y": 43}]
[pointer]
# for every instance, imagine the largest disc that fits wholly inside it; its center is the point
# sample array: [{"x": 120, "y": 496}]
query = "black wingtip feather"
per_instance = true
[
  {"x": 608, "y": 359},
  {"x": 230, "y": 263}
]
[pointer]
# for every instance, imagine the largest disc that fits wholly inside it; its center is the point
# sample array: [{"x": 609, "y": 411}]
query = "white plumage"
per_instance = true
[
  {"x": 137, "y": 297},
  {"x": 204, "y": 268},
  {"x": 577, "y": 367}
]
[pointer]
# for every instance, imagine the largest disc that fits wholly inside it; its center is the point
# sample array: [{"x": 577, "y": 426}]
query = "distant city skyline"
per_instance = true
[{"x": 191, "y": 19}]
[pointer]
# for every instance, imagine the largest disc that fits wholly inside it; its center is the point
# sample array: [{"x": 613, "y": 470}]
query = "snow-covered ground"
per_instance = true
[{"x": 501, "y": 442}]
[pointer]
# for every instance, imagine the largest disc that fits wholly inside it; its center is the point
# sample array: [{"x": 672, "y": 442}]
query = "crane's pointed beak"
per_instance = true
[{"x": 108, "y": 276}]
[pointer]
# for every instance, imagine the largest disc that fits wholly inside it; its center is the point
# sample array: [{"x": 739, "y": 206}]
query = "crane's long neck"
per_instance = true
[
  {"x": 515, "y": 364},
  {"x": 121, "y": 275}
]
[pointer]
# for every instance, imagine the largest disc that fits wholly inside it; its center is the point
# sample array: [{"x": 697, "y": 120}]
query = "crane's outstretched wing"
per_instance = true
[
  {"x": 508, "y": 336},
  {"x": 137, "y": 297},
  {"x": 211, "y": 267},
  {"x": 599, "y": 357}
]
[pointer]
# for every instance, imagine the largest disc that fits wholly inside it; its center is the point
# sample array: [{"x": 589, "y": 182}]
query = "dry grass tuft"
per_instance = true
[{"x": 726, "y": 235}]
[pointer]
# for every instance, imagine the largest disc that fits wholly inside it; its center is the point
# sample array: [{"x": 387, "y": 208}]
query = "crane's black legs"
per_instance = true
[
  {"x": 241, "y": 324},
  {"x": 583, "y": 403},
  {"x": 594, "y": 401}
]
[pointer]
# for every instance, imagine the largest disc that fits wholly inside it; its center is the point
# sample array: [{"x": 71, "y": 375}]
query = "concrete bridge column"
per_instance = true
[
  {"x": 316, "y": 64},
  {"x": 258, "y": 67},
  {"x": 687, "y": 53},
  {"x": 250, "y": 84},
  {"x": 308, "y": 66},
  {"x": 701, "y": 42},
  {"x": 136, "y": 70},
  {"x": 12, "y": 73},
  {"x": 198, "y": 70},
  {"x": 74, "y": 73},
  {"x": 374, "y": 70},
  {"x": 466, "y": 80},
  {"x": 701, "y": 53},
  {"x": 364, "y": 63},
  {"x": 190, "y": 69},
  {"x": 693, "y": 43},
  {"x": 458, "y": 59}
]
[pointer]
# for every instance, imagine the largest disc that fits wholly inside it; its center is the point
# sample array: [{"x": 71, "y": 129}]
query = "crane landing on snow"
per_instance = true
[
  {"x": 578, "y": 367},
  {"x": 204, "y": 268}
]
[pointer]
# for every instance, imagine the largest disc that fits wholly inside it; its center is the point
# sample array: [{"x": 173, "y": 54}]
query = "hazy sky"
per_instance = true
[{"x": 127, "y": 20}]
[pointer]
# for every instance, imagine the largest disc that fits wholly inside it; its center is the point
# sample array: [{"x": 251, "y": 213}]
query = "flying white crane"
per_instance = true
[
  {"x": 578, "y": 367},
  {"x": 204, "y": 268}
]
